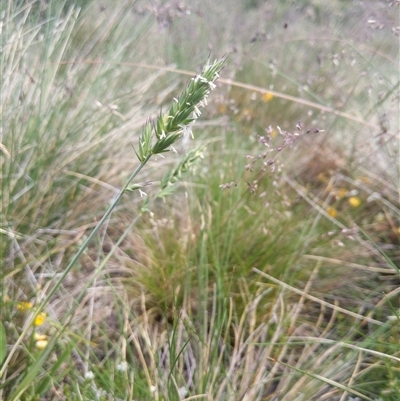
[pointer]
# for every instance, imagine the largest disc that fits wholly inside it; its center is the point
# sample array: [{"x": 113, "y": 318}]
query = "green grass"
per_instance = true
[{"x": 263, "y": 272}]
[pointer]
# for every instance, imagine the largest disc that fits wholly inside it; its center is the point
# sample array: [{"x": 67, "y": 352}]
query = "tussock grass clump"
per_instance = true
[{"x": 257, "y": 260}]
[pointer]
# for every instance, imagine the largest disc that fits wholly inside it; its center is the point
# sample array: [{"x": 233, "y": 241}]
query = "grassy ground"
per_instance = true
[{"x": 258, "y": 260}]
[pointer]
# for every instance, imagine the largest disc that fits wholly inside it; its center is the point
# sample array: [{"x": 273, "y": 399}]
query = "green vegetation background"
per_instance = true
[{"x": 269, "y": 270}]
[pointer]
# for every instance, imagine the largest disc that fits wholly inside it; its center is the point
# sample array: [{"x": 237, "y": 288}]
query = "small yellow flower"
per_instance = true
[
  {"x": 39, "y": 320},
  {"x": 41, "y": 344},
  {"x": 331, "y": 211},
  {"x": 39, "y": 337},
  {"x": 24, "y": 306},
  {"x": 355, "y": 201},
  {"x": 267, "y": 97}
]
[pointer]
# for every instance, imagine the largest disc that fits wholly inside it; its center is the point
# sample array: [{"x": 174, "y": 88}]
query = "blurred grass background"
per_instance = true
[{"x": 270, "y": 274}]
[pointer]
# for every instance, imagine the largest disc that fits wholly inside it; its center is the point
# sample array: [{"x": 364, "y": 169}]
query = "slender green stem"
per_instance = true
[
  {"x": 168, "y": 129},
  {"x": 82, "y": 249}
]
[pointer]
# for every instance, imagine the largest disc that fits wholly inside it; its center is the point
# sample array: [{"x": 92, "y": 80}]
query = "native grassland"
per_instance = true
[{"x": 163, "y": 239}]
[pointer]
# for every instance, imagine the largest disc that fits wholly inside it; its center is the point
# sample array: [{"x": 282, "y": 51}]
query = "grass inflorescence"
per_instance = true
[{"x": 253, "y": 259}]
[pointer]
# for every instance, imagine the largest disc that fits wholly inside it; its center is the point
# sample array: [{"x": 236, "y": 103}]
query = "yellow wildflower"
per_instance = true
[
  {"x": 24, "y": 306},
  {"x": 41, "y": 344},
  {"x": 355, "y": 201},
  {"x": 331, "y": 211},
  {"x": 39, "y": 320},
  {"x": 267, "y": 97},
  {"x": 39, "y": 337}
]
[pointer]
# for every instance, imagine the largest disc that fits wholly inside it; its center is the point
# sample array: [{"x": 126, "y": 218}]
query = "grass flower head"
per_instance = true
[{"x": 169, "y": 127}]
